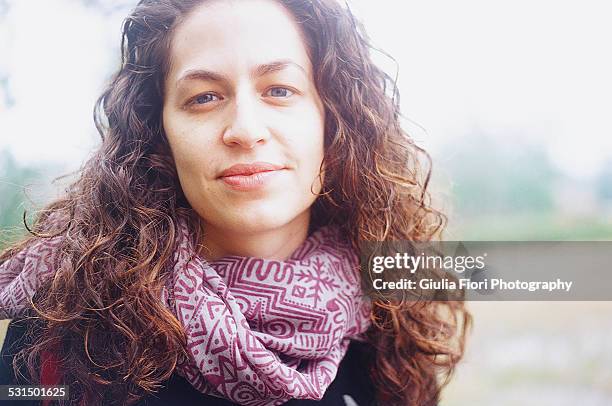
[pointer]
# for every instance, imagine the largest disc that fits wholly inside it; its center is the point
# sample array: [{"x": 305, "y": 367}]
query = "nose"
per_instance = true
[{"x": 245, "y": 128}]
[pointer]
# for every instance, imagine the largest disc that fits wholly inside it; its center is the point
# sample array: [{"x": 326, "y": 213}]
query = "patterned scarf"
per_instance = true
[{"x": 259, "y": 331}]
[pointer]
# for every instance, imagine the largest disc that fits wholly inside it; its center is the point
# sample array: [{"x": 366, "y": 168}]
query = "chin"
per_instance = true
[{"x": 255, "y": 221}]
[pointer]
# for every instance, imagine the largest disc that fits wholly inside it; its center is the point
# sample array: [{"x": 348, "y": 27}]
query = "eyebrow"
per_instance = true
[{"x": 260, "y": 70}]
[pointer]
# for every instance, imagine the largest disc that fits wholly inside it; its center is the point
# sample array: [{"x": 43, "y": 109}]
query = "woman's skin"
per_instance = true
[{"x": 240, "y": 90}]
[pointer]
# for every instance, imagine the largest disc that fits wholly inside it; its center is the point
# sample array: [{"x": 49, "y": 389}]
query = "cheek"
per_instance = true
[
  {"x": 174, "y": 130},
  {"x": 190, "y": 144},
  {"x": 308, "y": 149},
  {"x": 315, "y": 140},
  {"x": 308, "y": 135}
]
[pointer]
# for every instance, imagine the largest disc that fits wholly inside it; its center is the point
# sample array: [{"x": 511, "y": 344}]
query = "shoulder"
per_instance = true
[{"x": 351, "y": 387}]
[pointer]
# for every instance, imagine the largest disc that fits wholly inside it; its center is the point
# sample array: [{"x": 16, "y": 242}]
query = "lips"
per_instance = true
[
  {"x": 249, "y": 169},
  {"x": 252, "y": 177}
]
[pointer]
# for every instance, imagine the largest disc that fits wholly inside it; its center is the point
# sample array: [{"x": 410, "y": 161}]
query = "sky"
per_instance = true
[{"x": 521, "y": 71}]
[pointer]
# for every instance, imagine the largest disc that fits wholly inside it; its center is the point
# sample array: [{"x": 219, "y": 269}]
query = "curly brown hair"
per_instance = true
[{"x": 102, "y": 308}]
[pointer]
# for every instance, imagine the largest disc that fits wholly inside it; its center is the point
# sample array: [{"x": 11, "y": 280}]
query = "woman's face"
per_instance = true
[{"x": 242, "y": 116}]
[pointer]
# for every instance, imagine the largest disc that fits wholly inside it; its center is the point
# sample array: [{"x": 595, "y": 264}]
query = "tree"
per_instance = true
[
  {"x": 497, "y": 176},
  {"x": 604, "y": 184},
  {"x": 15, "y": 183}
]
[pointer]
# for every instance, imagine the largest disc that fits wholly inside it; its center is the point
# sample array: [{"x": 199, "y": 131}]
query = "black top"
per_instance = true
[{"x": 352, "y": 380}]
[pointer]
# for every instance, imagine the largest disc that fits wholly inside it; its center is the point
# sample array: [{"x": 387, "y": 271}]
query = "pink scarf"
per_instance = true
[{"x": 259, "y": 332}]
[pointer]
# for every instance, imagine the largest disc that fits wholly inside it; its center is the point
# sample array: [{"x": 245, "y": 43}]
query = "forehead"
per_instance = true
[{"x": 227, "y": 35}]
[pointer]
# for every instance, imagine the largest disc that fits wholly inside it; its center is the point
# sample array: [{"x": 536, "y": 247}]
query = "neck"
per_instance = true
[{"x": 276, "y": 243}]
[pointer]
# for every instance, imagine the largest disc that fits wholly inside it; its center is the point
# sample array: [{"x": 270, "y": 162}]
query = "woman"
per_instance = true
[{"x": 247, "y": 148}]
